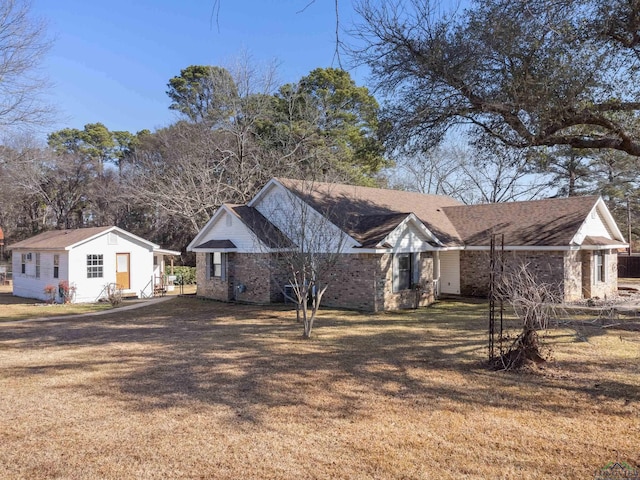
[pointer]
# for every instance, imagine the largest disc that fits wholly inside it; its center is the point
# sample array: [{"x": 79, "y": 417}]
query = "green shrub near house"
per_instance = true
[{"x": 184, "y": 275}]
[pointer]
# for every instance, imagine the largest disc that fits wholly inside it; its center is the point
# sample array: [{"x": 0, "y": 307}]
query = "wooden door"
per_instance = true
[{"x": 122, "y": 270}]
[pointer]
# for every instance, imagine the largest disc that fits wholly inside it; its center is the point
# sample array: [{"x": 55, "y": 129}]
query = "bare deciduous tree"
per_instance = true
[
  {"x": 472, "y": 175},
  {"x": 313, "y": 249},
  {"x": 529, "y": 73},
  {"x": 22, "y": 46}
]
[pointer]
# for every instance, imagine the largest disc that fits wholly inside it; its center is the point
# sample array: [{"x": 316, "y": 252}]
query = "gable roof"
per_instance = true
[
  {"x": 266, "y": 231},
  {"x": 67, "y": 239},
  {"x": 369, "y": 214},
  {"x": 551, "y": 222}
]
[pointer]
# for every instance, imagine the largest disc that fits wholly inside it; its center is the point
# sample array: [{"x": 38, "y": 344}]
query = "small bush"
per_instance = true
[
  {"x": 66, "y": 291},
  {"x": 114, "y": 294},
  {"x": 50, "y": 291},
  {"x": 184, "y": 275}
]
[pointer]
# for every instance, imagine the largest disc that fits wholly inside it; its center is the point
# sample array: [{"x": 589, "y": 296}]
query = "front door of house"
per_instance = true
[{"x": 122, "y": 271}]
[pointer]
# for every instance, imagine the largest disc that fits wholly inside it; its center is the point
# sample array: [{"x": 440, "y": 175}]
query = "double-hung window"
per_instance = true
[
  {"x": 599, "y": 266},
  {"x": 95, "y": 266},
  {"x": 405, "y": 271},
  {"x": 56, "y": 266},
  {"x": 37, "y": 265},
  {"x": 217, "y": 265}
]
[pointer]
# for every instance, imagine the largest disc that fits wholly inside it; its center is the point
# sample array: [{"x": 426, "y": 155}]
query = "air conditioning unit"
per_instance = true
[{"x": 288, "y": 294}]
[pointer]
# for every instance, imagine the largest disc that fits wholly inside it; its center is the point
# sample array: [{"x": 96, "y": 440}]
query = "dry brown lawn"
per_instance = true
[
  {"x": 195, "y": 389},
  {"x": 17, "y": 308}
]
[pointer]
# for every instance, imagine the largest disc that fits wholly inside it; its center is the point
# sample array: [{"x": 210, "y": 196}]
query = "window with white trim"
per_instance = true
[
  {"x": 56, "y": 266},
  {"x": 217, "y": 265},
  {"x": 23, "y": 263},
  {"x": 95, "y": 266},
  {"x": 599, "y": 266},
  {"x": 37, "y": 265},
  {"x": 406, "y": 272}
]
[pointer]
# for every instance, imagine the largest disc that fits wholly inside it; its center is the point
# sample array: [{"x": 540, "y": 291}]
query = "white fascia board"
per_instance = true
[
  {"x": 617, "y": 246},
  {"x": 525, "y": 248},
  {"x": 197, "y": 239},
  {"x": 381, "y": 250},
  {"x": 122, "y": 232},
  {"x": 273, "y": 183},
  {"x": 422, "y": 228},
  {"x": 609, "y": 220},
  {"x": 270, "y": 184},
  {"x": 164, "y": 251},
  {"x": 213, "y": 250}
]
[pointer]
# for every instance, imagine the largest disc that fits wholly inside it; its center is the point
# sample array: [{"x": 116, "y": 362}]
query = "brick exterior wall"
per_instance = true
[
  {"x": 590, "y": 287},
  {"x": 407, "y": 298},
  {"x": 474, "y": 273},
  {"x": 214, "y": 288},
  {"x": 358, "y": 282},
  {"x": 573, "y": 276},
  {"x": 548, "y": 266},
  {"x": 253, "y": 271},
  {"x": 570, "y": 271},
  {"x": 365, "y": 281}
]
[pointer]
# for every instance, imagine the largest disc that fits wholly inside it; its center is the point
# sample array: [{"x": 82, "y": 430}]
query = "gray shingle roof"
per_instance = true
[
  {"x": 357, "y": 209},
  {"x": 58, "y": 239},
  {"x": 217, "y": 244},
  {"x": 266, "y": 231},
  {"x": 551, "y": 222}
]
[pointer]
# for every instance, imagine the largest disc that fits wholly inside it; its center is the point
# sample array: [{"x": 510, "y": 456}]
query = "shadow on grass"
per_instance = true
[{"x": 249, "y": 359}]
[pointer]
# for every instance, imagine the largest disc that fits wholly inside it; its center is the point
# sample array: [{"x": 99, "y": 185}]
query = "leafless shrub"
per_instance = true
[
  {"x": 113, "y": 294},
  {"x": 535, "y": 304}
]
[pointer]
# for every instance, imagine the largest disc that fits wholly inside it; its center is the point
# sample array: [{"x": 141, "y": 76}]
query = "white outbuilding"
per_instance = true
[{"x": 83, "y": 263}]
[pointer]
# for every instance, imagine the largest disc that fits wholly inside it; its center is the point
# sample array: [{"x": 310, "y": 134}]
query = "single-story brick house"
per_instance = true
[
  {"x": 404, "y": 249},
  {"x": 87, "y": 259}
]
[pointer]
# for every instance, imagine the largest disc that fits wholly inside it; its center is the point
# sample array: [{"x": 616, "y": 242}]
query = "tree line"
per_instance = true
[
  {"x": 502, "y": 100},
  {"x": 236, "y": 130}
]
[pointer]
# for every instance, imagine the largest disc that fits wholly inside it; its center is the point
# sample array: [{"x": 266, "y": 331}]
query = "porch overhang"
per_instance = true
[
  {"x": 602, "y": 243},
  {"x": 163, "y": 251},
  {"x": 210, "y": 246}
]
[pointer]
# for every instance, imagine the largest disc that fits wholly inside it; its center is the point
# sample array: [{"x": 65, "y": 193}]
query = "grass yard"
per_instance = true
[
  {"x": 195, "y": 389},
  {"x": 17, "y": 308}
]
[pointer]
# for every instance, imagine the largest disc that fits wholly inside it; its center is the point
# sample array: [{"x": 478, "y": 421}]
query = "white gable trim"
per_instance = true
[
  {"x": 204, "y": 234},
  {"x": 124, "y": 233},
  {"x": 293, "y": 197},
  {"x": 412, "y": 220},
  {"x": 204, "y": 230},
  {"x": 601, "y": 208},
  {"x": 263, "y": 191}
]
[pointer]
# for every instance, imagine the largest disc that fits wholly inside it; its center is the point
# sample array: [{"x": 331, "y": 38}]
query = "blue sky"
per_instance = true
[{"x": 111, "y": 60}]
